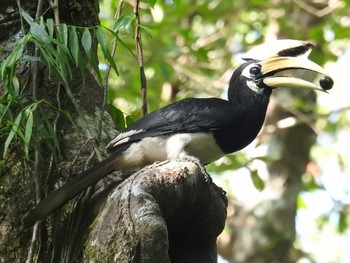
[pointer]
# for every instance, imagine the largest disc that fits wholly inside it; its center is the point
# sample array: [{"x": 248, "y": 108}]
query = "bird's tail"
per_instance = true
[{"x": 72, "y": 188}]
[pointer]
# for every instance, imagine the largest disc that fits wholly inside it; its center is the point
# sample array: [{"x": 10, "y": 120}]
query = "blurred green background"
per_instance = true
[{"x": 190, "y": 49}]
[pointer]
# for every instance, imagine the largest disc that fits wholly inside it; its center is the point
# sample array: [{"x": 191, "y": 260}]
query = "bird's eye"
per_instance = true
[
  {"x": 326, "y": 83},
  {"x": 255, "y": 71}
]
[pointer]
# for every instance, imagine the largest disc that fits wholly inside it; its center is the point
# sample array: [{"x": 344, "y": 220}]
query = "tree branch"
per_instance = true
[
  {"x": 139, "y": 53},
  {"x": 165, "y": 212}
]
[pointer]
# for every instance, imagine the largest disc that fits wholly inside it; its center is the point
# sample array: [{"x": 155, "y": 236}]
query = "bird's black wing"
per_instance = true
[{"x": 185, "y": 116}]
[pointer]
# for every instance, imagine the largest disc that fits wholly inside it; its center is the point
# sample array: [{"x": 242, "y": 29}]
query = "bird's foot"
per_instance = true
[{"x": 207, "y": 177}]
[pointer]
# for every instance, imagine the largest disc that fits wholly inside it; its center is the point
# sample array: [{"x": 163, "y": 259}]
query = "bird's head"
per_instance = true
[{"x": 280, "y": 64}]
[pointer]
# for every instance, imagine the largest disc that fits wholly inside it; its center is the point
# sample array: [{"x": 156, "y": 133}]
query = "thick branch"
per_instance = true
[{"x": 166, "y": 212}]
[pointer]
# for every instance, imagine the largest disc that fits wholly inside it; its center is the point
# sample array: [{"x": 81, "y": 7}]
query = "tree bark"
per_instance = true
[
  {"x": 23, "y": 181},
  {"x": 166, "y": 212}
]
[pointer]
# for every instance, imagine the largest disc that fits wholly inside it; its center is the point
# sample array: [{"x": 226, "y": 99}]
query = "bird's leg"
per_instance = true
[{"x": 196, "y": 161}]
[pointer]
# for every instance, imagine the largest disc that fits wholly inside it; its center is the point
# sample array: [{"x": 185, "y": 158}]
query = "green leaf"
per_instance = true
[
  {"x": 50, "y": 26},
  {"x": 12, "y": 133},
  {"x": 120, "y": 41},
  {"x": 31, "y": 58},
  {"x": 28, "y": 130},
  {"x": 128, "y": 23},
  {"x": 27, "y": 17},
  {"x": 103, "y": 43},
  {"x": 86, "y": 41},
  {"x": 49, "y": 135},
  {"x": 63, "y": 33},
  {"x": 257, "y": 181},
  {"x": 47, "y": 59},
  {"x": 124, "y": 21},
  {"x": 54, "y": 62},
  {"x": 74, "y": 44},
  {"x": 39, "y": 33},
  {"x": 147, "y": 29},
  {"x": 152, "y": 3},
  {"x": 15, "y": 55},
  {"x": 118, "y": 117},
  {"x": 4, "y": 109},
  {"x": 119, "y": 23}
]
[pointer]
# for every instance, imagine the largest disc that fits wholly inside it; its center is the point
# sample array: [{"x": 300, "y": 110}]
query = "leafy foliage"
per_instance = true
[{"x": 60, "y": 49}]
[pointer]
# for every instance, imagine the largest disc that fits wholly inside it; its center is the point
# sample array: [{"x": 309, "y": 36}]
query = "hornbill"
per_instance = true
[{"x": 204, "y": 128}]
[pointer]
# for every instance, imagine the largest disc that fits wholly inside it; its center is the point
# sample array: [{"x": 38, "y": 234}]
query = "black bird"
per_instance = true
[{"x": 206, "y": 129}]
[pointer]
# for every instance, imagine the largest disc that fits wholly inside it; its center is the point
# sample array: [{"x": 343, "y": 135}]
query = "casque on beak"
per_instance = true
[
  {"x": 279, "y": 48},
  {"x": 288, "y": 65}
]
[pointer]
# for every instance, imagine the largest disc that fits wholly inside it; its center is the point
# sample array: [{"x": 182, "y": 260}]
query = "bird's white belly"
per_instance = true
[
  {"x": 201, "y": 145},
  {"x": 152, "y": 149}
]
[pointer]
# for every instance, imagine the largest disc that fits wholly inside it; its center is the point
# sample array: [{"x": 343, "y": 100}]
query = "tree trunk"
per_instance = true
[
  {"x": 166, "y": 212},
  {"x": 25, "y": 182}
]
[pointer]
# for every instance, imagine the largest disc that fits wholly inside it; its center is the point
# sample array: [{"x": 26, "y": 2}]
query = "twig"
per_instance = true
[
  {"x": 37, "y": 157},
  {"x": 314, "y": 11},
  {"x": 108, "y": 71},
  {"x": 139, "y": 53},
  {"x": 54, "y": 5}
]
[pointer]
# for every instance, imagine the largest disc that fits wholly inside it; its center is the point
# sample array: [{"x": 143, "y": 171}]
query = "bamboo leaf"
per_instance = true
[
  {"x": 39, "y": 33},
  {"x": 74, "y": 45},
  {"x": 63, "y": 33},
  {"x": 31, "y": 58},
  {"x": 12, "y": 133},
  {"x": 50, "y": 26},
  {"x": 50, "y": 137},
  {"x": 124, "y": 21},
  {"x": 120, "y": 41},
  {"x": 4, "y": 110},
  {"x": 147, "y": 29},
  {"x": 119, "y": 23},
  {"x": 27, "y": 17},
  {"x": 86, "y": 41},
  {"x": 12, "y": 59},
  {"x": 128, "y": 22},
  {"x": 28, "y": 129},
  {"x": 103, "y": 43}
]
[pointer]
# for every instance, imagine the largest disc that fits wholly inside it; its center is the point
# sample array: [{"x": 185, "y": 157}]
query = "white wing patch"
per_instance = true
[{"x": 122, "y": 138}]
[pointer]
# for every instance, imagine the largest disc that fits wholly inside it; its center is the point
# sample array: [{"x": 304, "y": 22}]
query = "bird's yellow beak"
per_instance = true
[
  {"x": 284, "y": 64},
  {"x": 294, "y": 72}
]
